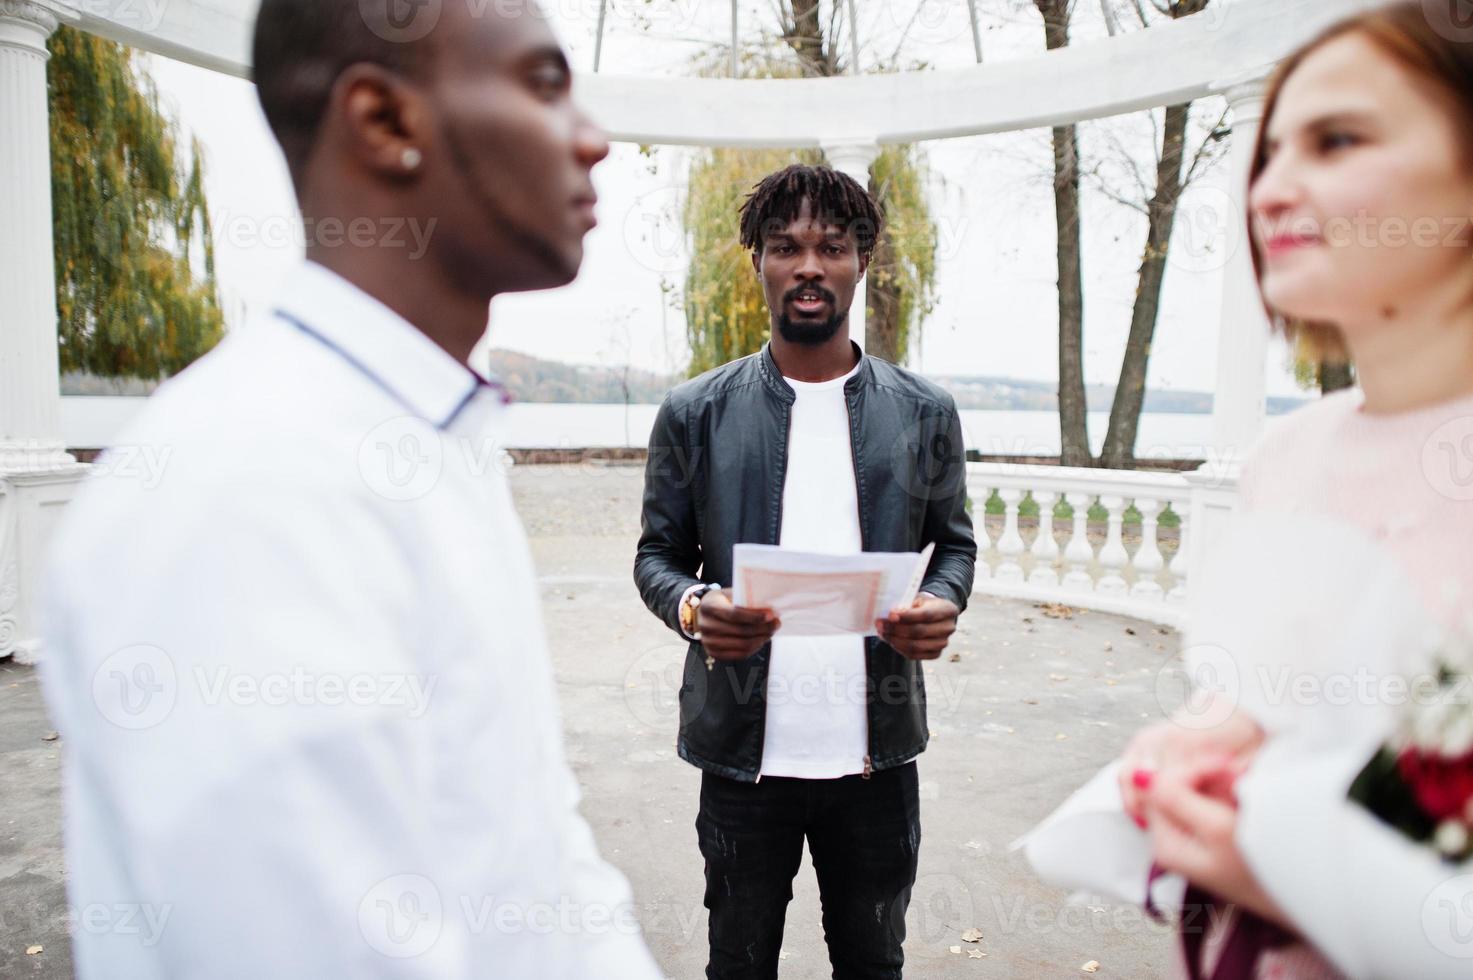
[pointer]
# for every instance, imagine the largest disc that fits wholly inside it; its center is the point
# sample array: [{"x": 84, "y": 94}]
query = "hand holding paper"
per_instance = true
[{"x": 825, "y": 595}]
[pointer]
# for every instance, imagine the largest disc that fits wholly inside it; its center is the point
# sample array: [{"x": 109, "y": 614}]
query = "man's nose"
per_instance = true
[{"x": 809, "y": 267}]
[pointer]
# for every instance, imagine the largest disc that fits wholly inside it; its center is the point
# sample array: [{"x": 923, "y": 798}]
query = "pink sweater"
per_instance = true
[{"x": 1405, "y": 478}]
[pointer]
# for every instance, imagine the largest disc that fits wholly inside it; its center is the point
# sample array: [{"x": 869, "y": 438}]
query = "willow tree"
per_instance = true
[
  {"x": 130, "y": 219},
  {"x": 726, "y": 315},
  {"x": 725, "y": 311}
]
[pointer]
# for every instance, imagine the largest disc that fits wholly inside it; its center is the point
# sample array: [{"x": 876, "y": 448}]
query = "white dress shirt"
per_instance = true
[
  {"x": 298, "y": 665},
  {"x": 817, "y": 724}
]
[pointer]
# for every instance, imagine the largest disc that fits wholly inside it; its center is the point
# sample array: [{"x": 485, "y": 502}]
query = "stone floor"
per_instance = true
[{"x": 1030, "y": 703}]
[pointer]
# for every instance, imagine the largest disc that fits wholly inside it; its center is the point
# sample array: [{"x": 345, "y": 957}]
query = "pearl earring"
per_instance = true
[{"x": 412, "y": 158}]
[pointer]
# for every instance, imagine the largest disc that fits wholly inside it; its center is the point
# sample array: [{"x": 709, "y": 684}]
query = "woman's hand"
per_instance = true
[
  {"x": 1193, "y": 816},
  {"x": 1184, "y": 739}
]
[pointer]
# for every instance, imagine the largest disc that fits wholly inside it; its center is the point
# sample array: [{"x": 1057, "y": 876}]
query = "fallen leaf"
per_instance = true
[
  {"x": 1109, "y": 646},
  {"x": 1058, "y": 677},
  {"x": 50, "y": 737},
  {"x": 1061, "y": 737},
  {"x": 955, "y": 658},
  {"x": 1093, "y": 966},
  {"x": 972, "y": 935},
  {"x": 33, "y": 950},
  {"x": 955, "y": 949},
  {"x": 975, "y": 954},
  {"x": 1129, "y": 631},
  {"x": 1030, "y": 700}
]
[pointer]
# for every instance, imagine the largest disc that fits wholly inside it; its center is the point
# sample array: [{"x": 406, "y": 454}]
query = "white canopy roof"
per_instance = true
[{"x": 1168, "y": 63}]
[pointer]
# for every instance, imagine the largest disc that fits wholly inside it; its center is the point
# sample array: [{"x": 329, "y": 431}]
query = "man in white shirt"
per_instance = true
[
  {"x": 813, "y": 446},
  {"x": 302, "y": 678}
]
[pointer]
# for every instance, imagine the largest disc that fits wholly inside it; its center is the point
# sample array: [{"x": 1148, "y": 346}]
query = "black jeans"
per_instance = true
[{"x": 864, "y": 836}]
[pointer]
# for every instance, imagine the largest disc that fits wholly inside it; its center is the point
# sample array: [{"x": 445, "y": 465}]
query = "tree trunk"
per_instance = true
[
  {"x": 882, "y": 321},
  {"x": 1130, "y": 392},
  {"x": 1073, "y": 407},
  {"x": 882, "y": 300},
  {"x": 806, "y": 37},
  {"x": 1334, "y": 377}
]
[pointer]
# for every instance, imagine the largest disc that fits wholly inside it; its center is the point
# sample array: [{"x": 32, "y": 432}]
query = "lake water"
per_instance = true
[{"x": 93, "y": 422}]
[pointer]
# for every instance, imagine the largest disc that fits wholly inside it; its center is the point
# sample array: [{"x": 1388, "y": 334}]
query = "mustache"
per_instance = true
[{"x": 823, "y": 293}]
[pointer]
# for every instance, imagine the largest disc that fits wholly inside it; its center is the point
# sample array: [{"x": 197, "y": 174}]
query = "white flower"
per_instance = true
[{"x": 1451, "y": 838}]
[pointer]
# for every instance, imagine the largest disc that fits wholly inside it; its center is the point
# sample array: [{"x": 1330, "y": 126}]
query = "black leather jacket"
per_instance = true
[{"x": 718, "y": 456}]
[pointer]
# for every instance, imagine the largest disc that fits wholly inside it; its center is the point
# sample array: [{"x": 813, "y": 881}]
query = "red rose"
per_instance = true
[{"x": 1441, "y": 785}]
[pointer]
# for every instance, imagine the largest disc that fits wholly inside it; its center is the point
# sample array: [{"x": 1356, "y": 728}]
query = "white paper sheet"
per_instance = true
[{"x": 826, "y": 595}]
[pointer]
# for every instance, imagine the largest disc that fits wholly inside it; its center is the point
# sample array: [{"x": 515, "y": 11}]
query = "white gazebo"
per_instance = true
[{"x": 1228, "y": 53}]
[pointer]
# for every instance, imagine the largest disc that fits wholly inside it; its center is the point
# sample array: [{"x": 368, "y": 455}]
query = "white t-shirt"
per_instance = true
[{"x": 817, "y": 722}]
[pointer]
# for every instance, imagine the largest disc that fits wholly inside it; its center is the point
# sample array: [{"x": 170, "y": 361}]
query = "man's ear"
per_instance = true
[
  {"x": 381, "y": 117},
  {"x": 757, "y": 262},
  {"x": 863, "y": 267}
]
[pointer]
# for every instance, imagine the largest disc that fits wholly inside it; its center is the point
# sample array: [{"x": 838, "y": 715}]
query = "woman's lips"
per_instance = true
[{"x": 1283, "y": 244}]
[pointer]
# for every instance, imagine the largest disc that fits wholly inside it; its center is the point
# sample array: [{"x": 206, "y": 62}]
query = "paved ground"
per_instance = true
[{"x": 1032, "y": 705}]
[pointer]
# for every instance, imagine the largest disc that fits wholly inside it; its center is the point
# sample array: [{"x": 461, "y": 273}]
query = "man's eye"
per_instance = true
[{"x": 1330, "y": 142}]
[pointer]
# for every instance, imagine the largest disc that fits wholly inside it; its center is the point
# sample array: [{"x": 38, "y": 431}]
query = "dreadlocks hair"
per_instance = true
[{"x": 836, "y": 198}]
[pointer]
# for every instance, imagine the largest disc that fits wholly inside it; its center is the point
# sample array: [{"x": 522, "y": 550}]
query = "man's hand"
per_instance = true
[
  {"x": 922, "y": 631},
  {"x": 731, "y": 632},
  {"x": 1183, "y": 741}
]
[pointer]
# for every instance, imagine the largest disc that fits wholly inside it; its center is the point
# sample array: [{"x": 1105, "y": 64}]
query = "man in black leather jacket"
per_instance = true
[{"x": 812, "y": 445}]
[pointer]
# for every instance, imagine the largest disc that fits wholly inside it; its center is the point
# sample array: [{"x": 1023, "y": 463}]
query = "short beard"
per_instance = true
[{"x": 810, "y": 334}]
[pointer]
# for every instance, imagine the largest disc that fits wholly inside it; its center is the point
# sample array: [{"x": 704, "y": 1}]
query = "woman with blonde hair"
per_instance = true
[{"x": 1353, "y": 559}]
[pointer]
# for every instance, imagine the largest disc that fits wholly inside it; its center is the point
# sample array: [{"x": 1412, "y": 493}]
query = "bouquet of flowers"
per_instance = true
[{"x": 1421, "y": 780}]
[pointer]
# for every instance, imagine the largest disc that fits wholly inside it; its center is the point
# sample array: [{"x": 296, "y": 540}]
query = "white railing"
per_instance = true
[{"x": 1135, "y": 567}]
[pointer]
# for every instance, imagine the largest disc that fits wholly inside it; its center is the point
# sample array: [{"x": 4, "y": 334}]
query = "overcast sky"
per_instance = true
[{"x": 997, "y": 308}]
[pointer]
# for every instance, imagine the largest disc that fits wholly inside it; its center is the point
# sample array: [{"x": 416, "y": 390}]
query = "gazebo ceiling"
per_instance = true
[{"x": 1169, "y": 63}]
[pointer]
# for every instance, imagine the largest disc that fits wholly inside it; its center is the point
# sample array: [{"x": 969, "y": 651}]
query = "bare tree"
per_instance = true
[
  {"x": 1073, "y": 406},
  {"x": 1173, "y": 175}
]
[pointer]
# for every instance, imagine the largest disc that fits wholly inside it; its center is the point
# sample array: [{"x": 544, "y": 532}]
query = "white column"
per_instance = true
[
  {"x": 855, "y": 159},
  {"x": 1239, "y": 398},
  {"x": 36, "y": 473}
]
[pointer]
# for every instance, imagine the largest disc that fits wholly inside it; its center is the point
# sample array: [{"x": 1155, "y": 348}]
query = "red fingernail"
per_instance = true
[
  {"x": 1140, "y": 822},
  {"x": 1141, "y": 778}
]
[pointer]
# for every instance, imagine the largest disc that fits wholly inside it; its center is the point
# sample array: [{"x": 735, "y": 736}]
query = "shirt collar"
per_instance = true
[{"x": 387, "y": 349}]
